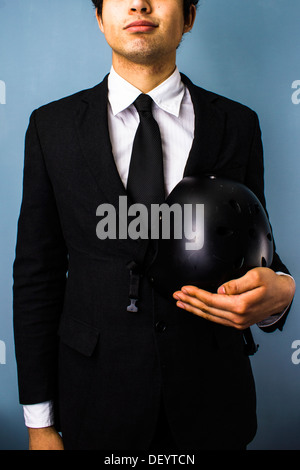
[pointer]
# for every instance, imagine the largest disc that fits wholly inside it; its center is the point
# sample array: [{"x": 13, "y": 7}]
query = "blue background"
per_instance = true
[{"x": 247, "y": 50}]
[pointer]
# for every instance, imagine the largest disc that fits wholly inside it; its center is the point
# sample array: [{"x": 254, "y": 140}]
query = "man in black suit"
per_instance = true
[{"x": 173, "y": 375}]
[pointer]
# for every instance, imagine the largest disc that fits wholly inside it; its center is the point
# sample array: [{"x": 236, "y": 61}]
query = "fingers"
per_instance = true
[
  {"x": 237, "y": 304},
  {"x": 221, "y": 309},
  {"x": 206, "y": 315},
  {"x": 196, "y": 306}
]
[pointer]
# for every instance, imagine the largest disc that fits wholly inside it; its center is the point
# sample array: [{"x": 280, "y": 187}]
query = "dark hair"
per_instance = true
[{"x": 186, "y": 6}]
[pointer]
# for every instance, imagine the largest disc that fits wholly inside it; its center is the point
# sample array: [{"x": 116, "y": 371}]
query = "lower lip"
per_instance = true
[{"x": 140, "y": 29}]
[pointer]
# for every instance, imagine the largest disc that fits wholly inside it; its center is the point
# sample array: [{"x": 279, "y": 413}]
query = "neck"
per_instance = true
[{"x": 145, "y": 77}]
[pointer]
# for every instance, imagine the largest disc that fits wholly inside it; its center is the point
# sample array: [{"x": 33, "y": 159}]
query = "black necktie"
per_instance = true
[{"x": 145, "y": 179}]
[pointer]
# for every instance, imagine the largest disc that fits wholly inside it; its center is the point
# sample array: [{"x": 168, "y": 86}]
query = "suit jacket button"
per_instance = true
[{"x": 160, "y": 326}]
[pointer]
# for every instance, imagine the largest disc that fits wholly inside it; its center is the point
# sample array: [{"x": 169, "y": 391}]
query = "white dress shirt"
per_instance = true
[
  {"x": 174, "y": 112},
  {"x": 172, "y": 109}
]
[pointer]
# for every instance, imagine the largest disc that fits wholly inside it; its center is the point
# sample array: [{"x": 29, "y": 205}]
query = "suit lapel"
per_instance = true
[
  {"x": 95, "y": 142},
  {"x": 209, "y": 131},
  {"x": 92, "y": 125}
]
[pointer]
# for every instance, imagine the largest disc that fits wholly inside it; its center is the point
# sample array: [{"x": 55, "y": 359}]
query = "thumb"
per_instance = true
[{"x": 237, "y": 286}]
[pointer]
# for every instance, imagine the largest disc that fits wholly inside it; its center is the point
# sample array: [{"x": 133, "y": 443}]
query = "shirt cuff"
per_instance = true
[
  {"x": 274, "y": 318},
  {"x": 40, "y": 415}
]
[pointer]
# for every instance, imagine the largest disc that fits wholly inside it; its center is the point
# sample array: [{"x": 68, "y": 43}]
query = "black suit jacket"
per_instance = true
[{"x": 75, "y": 341}]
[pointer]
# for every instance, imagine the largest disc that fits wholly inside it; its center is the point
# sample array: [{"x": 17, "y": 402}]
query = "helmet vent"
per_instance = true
[
  {"x": 224, "y": 231},
  {"x": 239, "y": 262},
  {"x": 256, "y": 208},
  {"x": 235, "y": 205}
]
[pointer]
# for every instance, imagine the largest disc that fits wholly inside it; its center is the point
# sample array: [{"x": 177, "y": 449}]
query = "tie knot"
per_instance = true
[{"x": 143, "y": 103}]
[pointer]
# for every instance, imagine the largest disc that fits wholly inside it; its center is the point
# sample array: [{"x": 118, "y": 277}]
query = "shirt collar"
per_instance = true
[{"x": 168, "y": 95}]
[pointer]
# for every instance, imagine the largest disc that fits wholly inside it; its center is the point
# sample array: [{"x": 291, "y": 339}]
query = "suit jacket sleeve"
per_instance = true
[
  {"x": 255, "y": 181},
  {"x": 39, "y": 274}
]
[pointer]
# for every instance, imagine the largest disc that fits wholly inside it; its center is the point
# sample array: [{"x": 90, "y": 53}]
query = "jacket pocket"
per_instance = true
[{"x": 78, "y": 335}]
